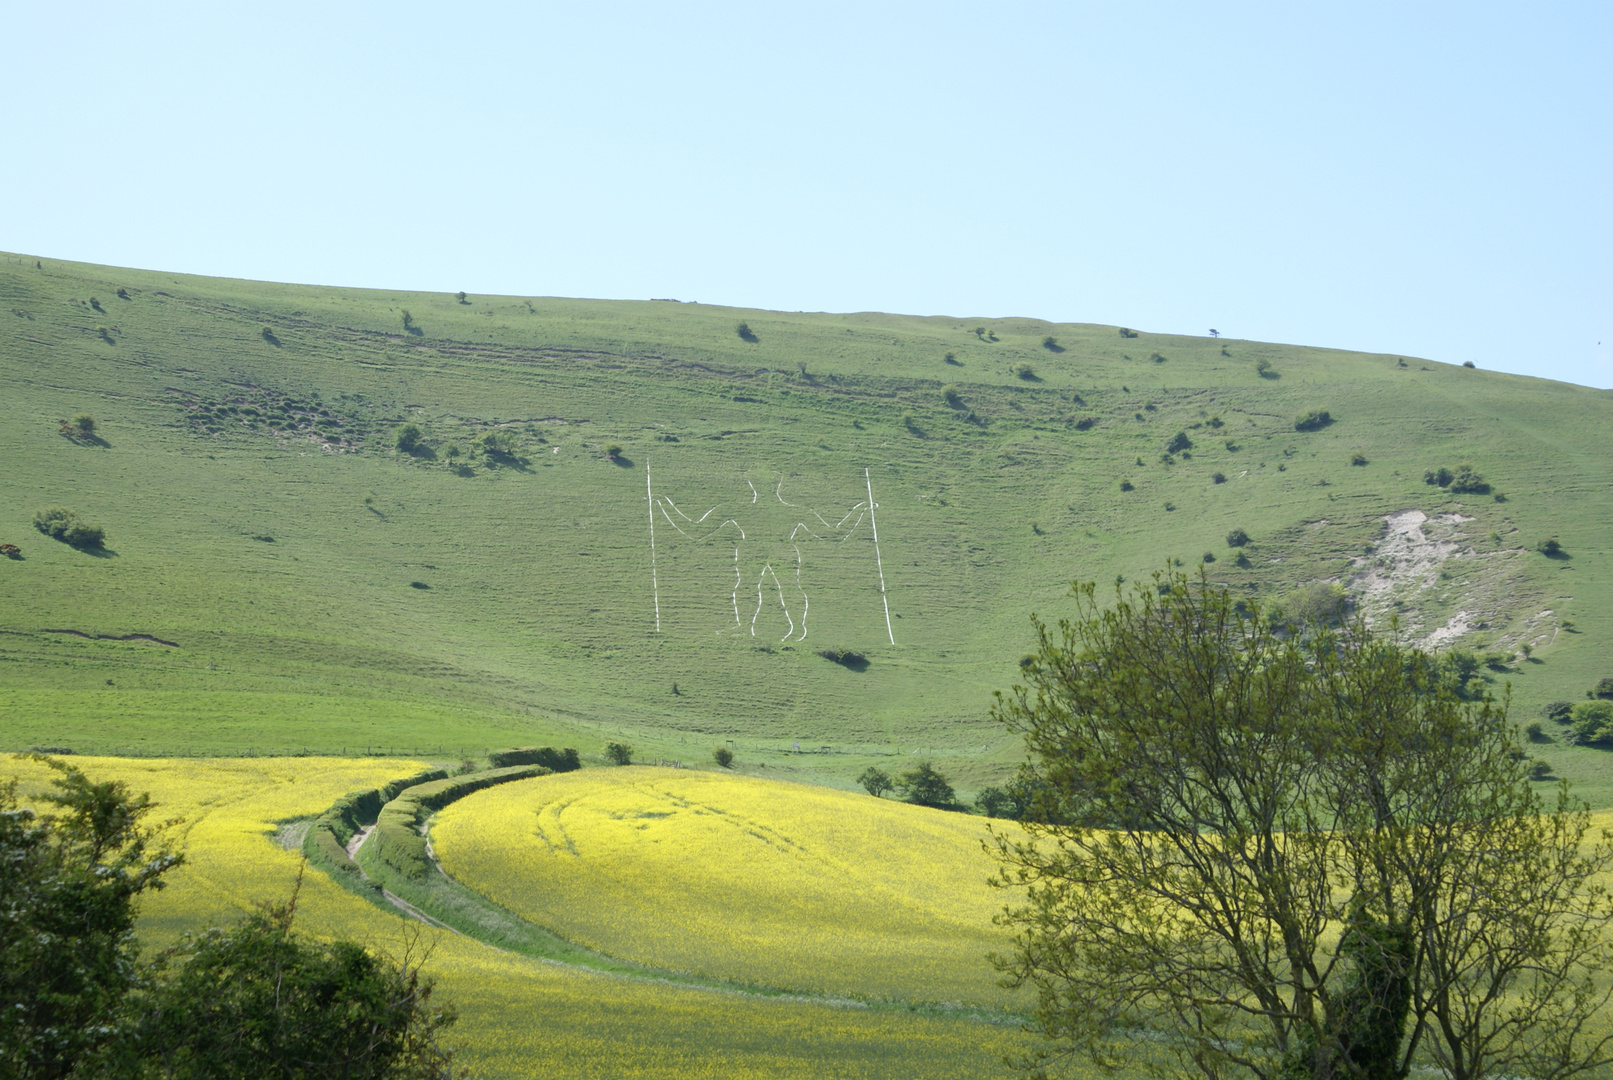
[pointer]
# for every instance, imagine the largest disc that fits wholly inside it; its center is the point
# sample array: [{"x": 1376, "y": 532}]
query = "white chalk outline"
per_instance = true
[
  {"x": 877, "y": 559},
  {"x": 655, "y": 584},
  {"x": 752, "y": 491}
]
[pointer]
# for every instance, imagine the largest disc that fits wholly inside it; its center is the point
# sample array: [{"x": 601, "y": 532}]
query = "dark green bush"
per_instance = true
[
  {"x": 554, "y": 760},
  {"x": 952, "y": 358},
  {"x": 1604, "y": 689},
  {"x": 1051, "y": 344},
  {"x": 846, "y": 658},
  {"x": 613, "y": 451},
  {"x": 408, "y": 438},
  {"x": 1468, "y": 364},
  {"x": 1178, "y": 443},
  {"x": 1085, "y": 423},
  {"x": 619, "y": 753},
  {"x": 1264, "y": 369},
  {"x": 1534, "y": 731},
  {"x": 746, "y": 333},
  {"x": 1315, "y": 420},
  {"x": 951, "y": 395},
  {"x": 1218, "y": 478},
  {"x": 1550, "y": 547},
  {"x": 1539, "y": 770},
  {"x": 1358, "y": 458},
  {"x": 1026, "y": 372},
  {"x": 1592, "y": 722},
  {"x": 1156, "y": 358},
  {"x": 1207, "y": 557},
  {"x": 922, "y": 785},
  {"x": 60, "y": 523},
  {"x": 1127, "y": 485},
  {"x": 1127, "y": 332},
  {"x": 723, "y": 756},
  {"x": 1237, "y": 538}
]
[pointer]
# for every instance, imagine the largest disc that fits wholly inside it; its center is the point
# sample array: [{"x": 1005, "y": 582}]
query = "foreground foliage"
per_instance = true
[
  {"x": 1293, "y": 856},
  {"x": 518, "y": 1017}
]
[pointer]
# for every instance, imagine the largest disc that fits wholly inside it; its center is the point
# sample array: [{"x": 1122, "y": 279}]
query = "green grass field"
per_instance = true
[{"x": 314, "y": 589}]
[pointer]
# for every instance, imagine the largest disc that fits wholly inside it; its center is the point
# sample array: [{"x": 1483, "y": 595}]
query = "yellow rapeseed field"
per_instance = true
[
  {"x": 520, "y": 1017},
  {"x": 758, "y": 881}
]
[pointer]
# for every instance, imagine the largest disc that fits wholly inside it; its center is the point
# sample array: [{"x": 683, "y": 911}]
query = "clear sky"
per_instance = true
[{"x": 1426, "y": 179}]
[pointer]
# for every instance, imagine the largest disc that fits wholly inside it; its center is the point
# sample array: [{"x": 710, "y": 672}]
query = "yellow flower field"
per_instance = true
[
  {"x": 519, "y": 1017},
  {"x": 757, "y": 881}
]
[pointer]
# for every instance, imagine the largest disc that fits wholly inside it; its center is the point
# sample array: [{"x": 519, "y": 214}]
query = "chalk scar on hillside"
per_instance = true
[{"x": 1405, "y": 568}]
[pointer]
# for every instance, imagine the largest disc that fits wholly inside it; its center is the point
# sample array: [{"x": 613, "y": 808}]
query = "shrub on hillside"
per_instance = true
[
  {"x": 1264, "y": 369},
  {"x": 1358, "y": 458},
  {"x": 1237, "y": 538},
  {"x": 1321, "y": 604},
  {"x": 923, "y": 785},
  {"x": 408, "y": 438},
  {"x": 1315, "y": 420},
  {"x": 1127, "y": 332},
  {"x": 846, "y": 658},
  {"x": 1604, "y": 689},
  {"x": 1127, "y": 485},
  {"x": 619, "y": 753},
  {"x": 875, "y": 781},
  {"x": 1551, "y": 548},
  {"x": 82, "y": 425},
  {"x": 1218, "y": 478},
  {"x": 951, "y": 395},
  {"x": 499, "y": 444},
  {"x": 1156, "y": 358},
  {"x": 1592, "y": 722},
  {"x": 1559, "y": 711},
  {"x": 1051, "y": 344},
  {"x": 723, "y": 756},
  {"x": 952, "y": 358},
  {"x": 11, "y": 551},
  {"x": 1178, "y": 443},
  {"x": 1026, "y": 372},
  {"x": 60, "y": 523},
  {"x": 746, "y": 333}
]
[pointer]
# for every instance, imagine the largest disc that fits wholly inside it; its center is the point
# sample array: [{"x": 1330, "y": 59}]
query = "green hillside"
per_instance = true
[{"x": 302, "y": 584}]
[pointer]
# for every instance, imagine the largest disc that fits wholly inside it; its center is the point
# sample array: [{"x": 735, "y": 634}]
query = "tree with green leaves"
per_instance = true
[
  {"x": 925, "y": 786},
  {"x": 258, "y": 1001},
  {"x": 1291, "y": 857},
  {"x": 68, "y": 885},
  {"x": 876, "y": 781}
]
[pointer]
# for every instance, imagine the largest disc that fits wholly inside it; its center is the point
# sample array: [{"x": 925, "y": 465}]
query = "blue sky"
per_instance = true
[{"x": 1431, "y": 180}]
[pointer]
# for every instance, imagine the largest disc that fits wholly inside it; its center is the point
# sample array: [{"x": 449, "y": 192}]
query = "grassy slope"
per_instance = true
[{"x": 538, "y": 626}]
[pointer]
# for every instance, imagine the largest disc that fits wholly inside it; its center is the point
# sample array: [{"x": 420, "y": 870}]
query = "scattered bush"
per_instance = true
[
  {"x": 746, "y": 333},
  {"x": 1241, "y": 561},
  {"x": 951, "y": 395},
  {"x": 994, "y": 802},
  {"x": 619, "y": 753},
  {"x": 846, "y": 658},
  {"x": 1127, "y": 332},
  {"x": 1051, "y": 345},
  {"x": 1315, "y": 420},
  {"x": 1604, "y": 689},
  {"x": 1551, "y": 548},
  {"x": 60, "y": 523},
  {"x": 1322, "y": 604},
  {"x": 11, "y": 551},
  {"x": 1218, "y": 478},
  {"x": 1216, "y": 422},
  {"x": 1592, "y": 722},
  {"x": 875, "y": 781},
  {"x": 1535, "y": 732},
  {"x": 123, "y": 294},
  {"x": 1178, "y": 443},
  {"x": 1127, "y": 485},
  {"x": 1468, "y": 364},
  {"x": 952, "y": 359},
  {"x": 1539, "y": 770},
  {"x": 500, "y": 444},
  {"x": 922, "y": 785},
  {"x": 460, "y": 296},
  {"x": 1207, "y": 557},
  {"x": 1085, "y": 423},
  {"x": 83, "y": 425},
  {"x": 408, "y": 319},
  {"x": 723, "y": 756},
  {"x": 613, "y": 451},
  {"x": 408, "y": 438},
  {"x": 418, "y": 585},
  {"x": 1264, "y": 369},
  {"x": 1026, "y": 372},
  {"x": 1156, "y": 358},
  {"x": 1237, "y": 538},
  {"x": 1358, "y": 458}
]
